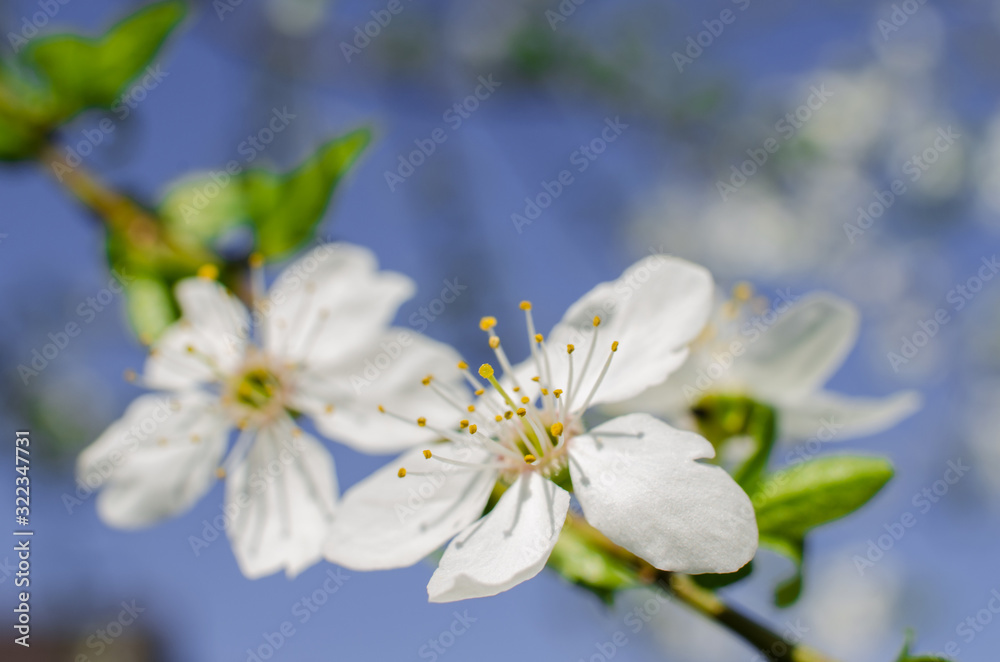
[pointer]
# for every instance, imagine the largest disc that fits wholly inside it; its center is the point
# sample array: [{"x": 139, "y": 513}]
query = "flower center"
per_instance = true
[
  {"x": 257, "y": 393},
  {"x": 522, "y": 427}
]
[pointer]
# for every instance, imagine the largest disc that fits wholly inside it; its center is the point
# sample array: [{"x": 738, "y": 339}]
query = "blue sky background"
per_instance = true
[{"x": 451, "y": 219}]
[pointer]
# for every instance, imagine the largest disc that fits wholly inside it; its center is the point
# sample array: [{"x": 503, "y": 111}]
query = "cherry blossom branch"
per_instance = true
[
  {"x": 772, "y": 645},
  {"x": 140, "y": 227}
]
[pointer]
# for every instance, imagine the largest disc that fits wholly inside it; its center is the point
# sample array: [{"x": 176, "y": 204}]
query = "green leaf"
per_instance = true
[
  {"x": 285, "y": 209},
  {"x": 150, "y": 306},
  {"x": 788, "y": 591},
  {"x": 18, "y": 139},
  {"x": 905, "y": 656},
  {"x": 93, "y": 73},
  {"x": 585, "y": 565},
  {"x": 713, "y": 582},
  {"x": 792, "y": 501}
]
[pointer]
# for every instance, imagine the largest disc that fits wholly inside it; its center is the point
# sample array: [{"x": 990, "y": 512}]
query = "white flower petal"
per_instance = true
[
  {"x": 801, "y": 350},
  {"x": 282, "y": 498},
  {"x": 390, "y": 522},
  {"x": 844, "y": 417},
  {"x": 638, "y": 482},
  {"x": 157, "y": 460},
  {"x": 508, "y": 546},
  {"x": 330, "y": 303},
  {"x": 214, "y": 323},
  {"x": 654, "y": 310},
  {"x": 390, "y": 372}
]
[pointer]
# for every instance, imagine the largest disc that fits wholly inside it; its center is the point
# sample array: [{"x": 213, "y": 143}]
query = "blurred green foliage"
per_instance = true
[{"x": 55, "y": 77}]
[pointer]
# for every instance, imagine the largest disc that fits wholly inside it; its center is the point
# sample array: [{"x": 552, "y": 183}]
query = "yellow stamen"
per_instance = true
[
  {"x": 401, "y": 473},
  {"x": 427, "y": 454},
  {"x": 381, "y": 409},
  {"x": 570, "y": 348},
  {"x": 597, "y": 320},
  {"x": 525, "y": 305},
  {"x": 480, "y": 391},
  {"x": 557, "y": 392},
  {"x": 742, "y": 291},
  {"x": 539, "y": 337},
  {"x": 556, "y": 429},
  {"x": 426, "y": 380},
  {"x": 462, "y": 424},
  {"x": 614, "y": 346},
  {"x": 487, "y": 323},
  {"x": 508, "y": 414},
  {"x": 471, "y": 408},
  {"x": 220, "y": 473},
  {"x": 529, "y": 458},
  {"x": 525, "y": 399},
  {"x": 499, "y": 418},
  {"x": 208, "y": 272},
  {"x": 421, "y": 421},
  {"x": 472, "y": 429},
  {"x": 462, "y": 365},
  {"x": 494, "y": 342},
  {"x": 545, "y": 391},
  {"x": 521, "y": 411},
  {"x": 536, "y": 378},
  {"x": 486, "y": 371},
  {"x": 328, "y": 409}
]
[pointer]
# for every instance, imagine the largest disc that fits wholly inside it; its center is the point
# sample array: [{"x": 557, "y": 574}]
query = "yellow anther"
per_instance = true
[
  {"x": 480, "y": 391},
  {"x": 487, "y": 323},
  {"x": 208, "y": 271},
  {"x": 486, "y": 371},
  {"x": 426, "y": 380},
  {"x": 508, "y": 414},
  {"x": 402, "y": 472},
  {"x": 494, "y": 342},
  {"x": 539, "y": 337},
  {"x": 130, "y": 375},
  {"x": 525, "y": 305},
  {"x": 462, "y": 365},
  {"x": 220, "y": 473},
  {"x": 570, "y": 348},
  {"x": 464, "y": 423},
  {"x": 614, "y": 346},
  {"x": 471, "y": 408},
  {"x": 597, "y": 320},
  {"x": 516, "y": 389},
  {"x": 328, "y": 409},
  {"x": 556, "y": 429},
  {"x": 472, "y": 429},
  {"x": 427, "y": 454},
  {"x": 529, "y": 458},
  {"x": 557, "y": 392},
  {"x": 256, "y": 260},
  {"x": 190, "y": 349},
  {"x": 743, "y": 291},
  {"x": 381, "y": 409},
  {"x": 421, "y": 421},
  {"x": 525, "y": 399},
  {"x": 545, "y": 391},
  {"x": 521, "y": 411},
  {"x": 499, "y": 418},
  {"x": 536, "y": 378}
]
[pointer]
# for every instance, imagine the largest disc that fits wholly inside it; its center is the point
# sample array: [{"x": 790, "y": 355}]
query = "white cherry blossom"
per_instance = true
[
  {"x": 520, "y": 448},
  {"x": 323, "y": 318}
]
